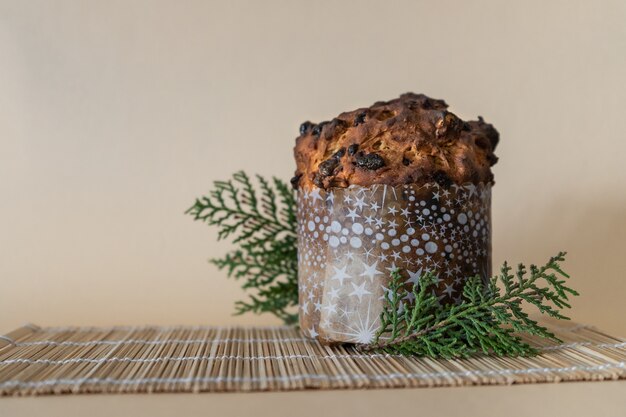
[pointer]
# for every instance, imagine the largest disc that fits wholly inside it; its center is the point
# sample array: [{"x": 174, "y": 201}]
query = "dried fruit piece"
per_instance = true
[
  {"x": 370, "y": 161},
  {"x": 304, "y": 127},
  {"x": 327, "y": 167},
  {"x": 341, "y": 152},
  {"x": 442, "y": 179},
  {"x": 317, "y": 129},
  {"x": 352, "y": 149},
  {"x": 295, "y": 181},
  {"x": 360, "y": 118}
]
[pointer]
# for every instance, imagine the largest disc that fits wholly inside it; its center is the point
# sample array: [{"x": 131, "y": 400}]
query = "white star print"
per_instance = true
[
  {"x": 345, "y": 313},
  {"x": 315, "y": 194},
  {"x": 387, "y": 294},
  {"x": 359, "y": 291},
  {"x": 472, "y": 189},
  {"x": 374, "y": 206},
  {"x": 312, "y": 332},
  {"x": 363, "y": 329},
  {"x": 331, "y": 308},
  {"x": 436, "y": 280},
  {"x": 340, "y": 274},
  {"x": 392, "y": 210},
  {"x": 360, "y": 203},
  {"x": 409, "y": 296},
  {"x": 414, "y": 277},
  {"x": 370, "y": 271},
  {"x": 449, "y": 290},
  {"x": 305, "y": 307},
  {"x": 333, "y": 293},
  {"x": 352, "y": 214}
]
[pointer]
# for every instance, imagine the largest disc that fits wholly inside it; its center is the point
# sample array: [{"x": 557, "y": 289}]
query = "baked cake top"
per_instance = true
[{"x": 411, "y": 139}]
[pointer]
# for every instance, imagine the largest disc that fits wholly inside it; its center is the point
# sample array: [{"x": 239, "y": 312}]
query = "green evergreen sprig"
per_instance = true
[
  {"x": 489, "y": 319},
  {"x": 260, "y": 219},
  {"x": 263, "y": 225}
]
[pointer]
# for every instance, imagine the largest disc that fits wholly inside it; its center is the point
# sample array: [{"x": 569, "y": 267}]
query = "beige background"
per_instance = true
[{"x": 115, "y": 115}]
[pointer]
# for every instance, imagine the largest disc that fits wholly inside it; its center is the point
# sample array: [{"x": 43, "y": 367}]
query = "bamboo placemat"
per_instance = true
[{"x": 36, "y": 360}]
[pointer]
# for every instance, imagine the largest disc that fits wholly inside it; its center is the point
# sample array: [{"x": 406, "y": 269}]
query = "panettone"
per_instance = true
[{"x": 402, "y": 185}]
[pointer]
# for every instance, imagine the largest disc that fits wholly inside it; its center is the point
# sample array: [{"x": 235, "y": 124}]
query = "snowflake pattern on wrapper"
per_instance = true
[{"x": 350, "y": 239}]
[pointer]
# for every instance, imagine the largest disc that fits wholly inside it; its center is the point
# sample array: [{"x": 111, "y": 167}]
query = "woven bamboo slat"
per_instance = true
[{"x": 36, "y": 360}]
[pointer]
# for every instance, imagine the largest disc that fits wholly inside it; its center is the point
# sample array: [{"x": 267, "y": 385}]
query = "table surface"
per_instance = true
[{"x": 570, "y": 399}]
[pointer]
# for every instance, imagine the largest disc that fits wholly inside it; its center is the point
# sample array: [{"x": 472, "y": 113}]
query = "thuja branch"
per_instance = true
[
  {"x": 490, "y": 318},
  {"x": 261, "y": 221}
]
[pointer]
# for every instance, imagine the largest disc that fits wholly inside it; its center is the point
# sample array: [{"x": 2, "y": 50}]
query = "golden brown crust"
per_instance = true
[{"x": 412, "y": 139}]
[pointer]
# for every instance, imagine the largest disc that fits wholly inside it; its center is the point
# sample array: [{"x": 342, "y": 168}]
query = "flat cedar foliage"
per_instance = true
[
  {"x": 261, "y": 222},
  {"x": 489, "y": 319}
]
